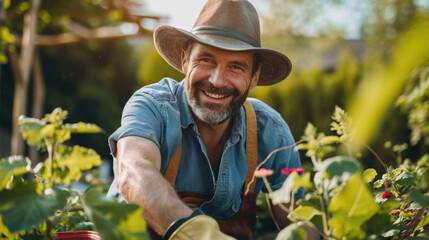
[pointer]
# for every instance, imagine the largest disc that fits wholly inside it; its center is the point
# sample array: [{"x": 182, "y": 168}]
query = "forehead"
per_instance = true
[{"x": 200, "y": 49}]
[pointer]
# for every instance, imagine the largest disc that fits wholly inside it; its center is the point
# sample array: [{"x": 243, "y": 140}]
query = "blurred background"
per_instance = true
[{"x": 89, "y": 56}]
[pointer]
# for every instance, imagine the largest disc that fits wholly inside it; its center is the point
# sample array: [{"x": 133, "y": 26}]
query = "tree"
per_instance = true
[{"x": 37, "y": 24}]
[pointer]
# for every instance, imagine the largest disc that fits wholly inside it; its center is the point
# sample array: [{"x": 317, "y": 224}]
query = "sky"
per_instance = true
[{"x": 182, "y": 14}]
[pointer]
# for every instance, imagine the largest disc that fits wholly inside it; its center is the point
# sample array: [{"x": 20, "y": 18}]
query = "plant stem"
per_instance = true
[
  {"x": 324, "y": 213},
  {"x": 289, "y": 211},
  {"x": 49, "y": 148},
  {"x": 314, "y": 161}
]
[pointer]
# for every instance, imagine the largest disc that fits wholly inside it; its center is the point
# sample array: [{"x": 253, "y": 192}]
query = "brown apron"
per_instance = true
[{"x": 242, "y": 224}]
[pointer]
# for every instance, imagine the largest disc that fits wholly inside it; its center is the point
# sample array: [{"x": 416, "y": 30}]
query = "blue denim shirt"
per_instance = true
[{"x": 160, "y": 112}]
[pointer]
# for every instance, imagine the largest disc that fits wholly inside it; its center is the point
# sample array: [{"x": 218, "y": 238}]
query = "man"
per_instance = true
[{"x": 186, "y": 151}]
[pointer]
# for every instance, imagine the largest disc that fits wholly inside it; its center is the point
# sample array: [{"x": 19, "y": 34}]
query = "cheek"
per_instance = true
[{"x": 242, "y": 83}]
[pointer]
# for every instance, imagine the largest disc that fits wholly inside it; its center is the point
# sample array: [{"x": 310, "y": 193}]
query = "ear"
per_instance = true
[
  {"x": 184, "y": 62},
  {"x": 255, "y": 77}
]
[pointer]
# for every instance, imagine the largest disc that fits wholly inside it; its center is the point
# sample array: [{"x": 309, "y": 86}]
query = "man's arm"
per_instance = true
[{"x": 139, "y": 181}]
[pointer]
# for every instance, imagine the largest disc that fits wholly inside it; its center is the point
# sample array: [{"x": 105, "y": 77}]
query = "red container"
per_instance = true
[{"x": 78, "y": 235}]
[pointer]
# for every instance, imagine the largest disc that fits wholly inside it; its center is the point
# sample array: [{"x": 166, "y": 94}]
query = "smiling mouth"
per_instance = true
[{"x": 215, "y": 95}]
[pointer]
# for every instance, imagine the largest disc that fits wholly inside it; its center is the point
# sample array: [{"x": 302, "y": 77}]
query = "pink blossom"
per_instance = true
[
  {"x": 263, "y": 172},
  {"x": 387, "y": 194},
  {"x": 291, "y": 170},
  {"x": 95, "y": 181},
  {"x": 395, "y": 212},
  {"x": 387, "y": 184}
]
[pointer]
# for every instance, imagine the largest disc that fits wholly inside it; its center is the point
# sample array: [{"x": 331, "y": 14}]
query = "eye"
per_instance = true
[
  {"x": 236, "y": 68},
  {"x": 206, "y": 60}
]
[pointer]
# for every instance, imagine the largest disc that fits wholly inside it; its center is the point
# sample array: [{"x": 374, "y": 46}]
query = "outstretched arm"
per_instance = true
[{"x": 139, "y": 181}]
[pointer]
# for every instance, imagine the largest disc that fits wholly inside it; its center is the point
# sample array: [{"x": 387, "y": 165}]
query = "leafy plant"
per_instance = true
[
  {"x": 37, "y": 202},
  {"x": 339, "y": 204}
]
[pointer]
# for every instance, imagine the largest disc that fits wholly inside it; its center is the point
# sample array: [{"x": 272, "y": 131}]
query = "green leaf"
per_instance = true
[
  {"x": 290, "y": 186},
  {"x": 305, "y": 212},
  {"x": 72, "y": 161},
  {"x": 404, "y": 182},
  {"x": 378, "y": 183},
  {"x": 82, "y": 127},
  {"x": 32, "y": 208},
  {"x": 114, "y": 220},
  {"x": 369, "y": 175},
  {"x": 391, "y": 233},
  {"x": 311, "y": 200},
  {"x": 350, "y": 208},
  {"x": 31, "y": 129},
  {"x": 294, "y": 231},
  {"x": 14, "y": 165},
  {"x": 419, "y": 198},
  {"x": 423, "y": 222},
  {"x": 337, "y": 166}
]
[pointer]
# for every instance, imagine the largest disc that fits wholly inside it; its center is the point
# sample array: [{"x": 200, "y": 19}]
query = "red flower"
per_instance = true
[
  {"x": 386, "y": 184},
  {"x": 263, "y": 172},
  {"x": 387, "y": 194},
  {"x": 291, "y": 170}
]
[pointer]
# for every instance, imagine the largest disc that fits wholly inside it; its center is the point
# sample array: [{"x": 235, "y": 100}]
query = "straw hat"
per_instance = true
[{"x": 231, "y": 25}]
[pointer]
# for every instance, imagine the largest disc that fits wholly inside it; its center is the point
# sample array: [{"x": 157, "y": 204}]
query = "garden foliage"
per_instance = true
[
  {"x": 37, "y": 202},
  {"x": 342, "y": 200}
]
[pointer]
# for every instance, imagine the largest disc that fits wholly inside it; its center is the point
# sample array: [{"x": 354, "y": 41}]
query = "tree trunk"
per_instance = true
[
  {"x": 38, "y": 100},
  {"x": 22, "y": 75}
]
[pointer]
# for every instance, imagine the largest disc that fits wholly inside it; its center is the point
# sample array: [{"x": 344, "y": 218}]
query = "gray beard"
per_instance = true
[{"x": 204, "y": 112}]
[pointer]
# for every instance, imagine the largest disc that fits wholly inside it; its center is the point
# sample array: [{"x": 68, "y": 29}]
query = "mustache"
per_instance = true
[{"x": 208, "y": 87}]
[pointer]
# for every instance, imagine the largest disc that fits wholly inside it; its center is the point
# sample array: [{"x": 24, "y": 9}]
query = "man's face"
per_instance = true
[{"x": 217, "y": 81}]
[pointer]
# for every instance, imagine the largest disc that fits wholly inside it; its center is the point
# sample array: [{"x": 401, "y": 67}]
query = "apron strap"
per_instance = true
[
  {"x": 251, "y": 150},
  {"x": 251, "y": 144},
  {"x": 173, "y": 166}
]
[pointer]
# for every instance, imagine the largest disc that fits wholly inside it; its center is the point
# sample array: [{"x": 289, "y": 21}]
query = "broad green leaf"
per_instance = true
[
  {"x": 23, "y": 208},
  {"x": 290, "y": 186},
  {"x": 423, "y": 222},
  {"x": 404, "y": 181},
  {"x": 82, "y": 127},
  {"x": 378, "y": 183},
  {"x": 114, "y": 220},
  {"x": 62, "y": 135},
  {"x": 350, "y": 208},
  {"x": 311, "y": 200},
  {"x": 391, "y": 233},
  {"x": 305, "y": 212},
  {"x": 419, "y": 198},
  {"x": 294, "y": 231},
  {"x": 6, "y": 4},
  {"x": 14, "y": 165},
  {"x": 31, "y": 129},
  {"x": 72, "y": 161},
  {"x": 368, "y": 105},
  {"x": 369, "y": 175},
  {"x": 56, "y": 117},
  {"x": 337, "y": 166}
]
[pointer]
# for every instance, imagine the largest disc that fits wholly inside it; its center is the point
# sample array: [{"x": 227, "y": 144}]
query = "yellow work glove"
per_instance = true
[
  {"x": 197, "y": 226},
  {"x": 201, "y": 227}
]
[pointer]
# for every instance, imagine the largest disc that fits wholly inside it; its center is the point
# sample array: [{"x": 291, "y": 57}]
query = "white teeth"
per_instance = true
[{"x": 214, "y": 95}]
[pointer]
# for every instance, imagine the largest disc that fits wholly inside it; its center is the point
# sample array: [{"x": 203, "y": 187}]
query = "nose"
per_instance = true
[{"x": 218, "y": 77}]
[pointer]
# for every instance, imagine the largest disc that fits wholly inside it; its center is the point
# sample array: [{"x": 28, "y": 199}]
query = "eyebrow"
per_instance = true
[{"x": 242, "y": 64}]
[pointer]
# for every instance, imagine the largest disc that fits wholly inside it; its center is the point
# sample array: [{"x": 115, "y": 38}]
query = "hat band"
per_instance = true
[{"x": 227, "y": 32}]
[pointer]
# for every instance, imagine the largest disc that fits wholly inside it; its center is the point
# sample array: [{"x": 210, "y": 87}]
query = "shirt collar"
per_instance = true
[{"x": 186, "y": 119}]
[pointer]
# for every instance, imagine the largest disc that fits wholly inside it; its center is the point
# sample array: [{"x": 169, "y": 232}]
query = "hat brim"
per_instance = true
[{"x": 169, "y": 42}]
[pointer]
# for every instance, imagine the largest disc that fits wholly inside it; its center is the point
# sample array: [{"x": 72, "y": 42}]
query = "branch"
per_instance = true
[{"x": 102, "y": 33}]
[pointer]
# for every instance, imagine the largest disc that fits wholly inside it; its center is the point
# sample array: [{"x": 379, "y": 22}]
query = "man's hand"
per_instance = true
[{"x": 139, "y": 181}]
